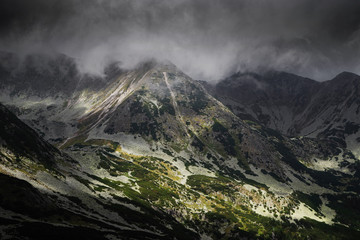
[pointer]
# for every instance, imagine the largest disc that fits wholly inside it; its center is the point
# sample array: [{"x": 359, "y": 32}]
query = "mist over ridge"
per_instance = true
[{"x": 206, "y": 39}]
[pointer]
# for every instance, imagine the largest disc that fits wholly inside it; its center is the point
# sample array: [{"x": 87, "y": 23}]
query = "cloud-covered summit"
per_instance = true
[{"x": 207, "y": 39}]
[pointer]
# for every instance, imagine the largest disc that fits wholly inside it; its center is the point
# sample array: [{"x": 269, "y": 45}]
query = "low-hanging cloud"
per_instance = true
[{"x": 207, "y": 39}]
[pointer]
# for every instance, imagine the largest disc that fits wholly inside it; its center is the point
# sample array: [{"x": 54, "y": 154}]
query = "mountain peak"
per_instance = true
[
  {"x": 156, "y": 64},
  {"x": 346, "y": 76}
]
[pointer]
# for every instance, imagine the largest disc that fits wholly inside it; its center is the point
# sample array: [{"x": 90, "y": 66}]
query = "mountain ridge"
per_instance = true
[{"x": 292, "y": 113}]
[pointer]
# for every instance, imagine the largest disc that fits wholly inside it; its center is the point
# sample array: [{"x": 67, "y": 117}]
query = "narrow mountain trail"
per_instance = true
[{"x": 176, "y": 107}]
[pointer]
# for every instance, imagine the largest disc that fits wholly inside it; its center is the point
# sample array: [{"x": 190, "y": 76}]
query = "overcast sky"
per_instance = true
[{"x": 207, "y": 39}]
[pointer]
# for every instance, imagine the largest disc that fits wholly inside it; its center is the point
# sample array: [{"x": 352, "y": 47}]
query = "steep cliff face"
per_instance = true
[
  {"x": 274, "y": 99},
  {"x": 296, "y": 106}
]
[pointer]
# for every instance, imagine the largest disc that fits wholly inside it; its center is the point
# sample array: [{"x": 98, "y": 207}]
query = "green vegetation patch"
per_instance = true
[{"x": 207, "y": 184}]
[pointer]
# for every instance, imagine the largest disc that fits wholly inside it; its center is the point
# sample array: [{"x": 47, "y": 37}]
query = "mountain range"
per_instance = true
[{"x": 150, "y": 153}]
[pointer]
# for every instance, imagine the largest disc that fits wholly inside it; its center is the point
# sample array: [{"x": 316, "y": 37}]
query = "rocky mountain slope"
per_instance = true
[
  {"x": 150, "y": 148},
  {"x": 46, "y": 194},
  {"x": 297, "y": 106}
]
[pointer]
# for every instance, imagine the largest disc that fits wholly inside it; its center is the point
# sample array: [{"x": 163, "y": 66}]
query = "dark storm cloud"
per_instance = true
[{"x": 206, "y": 38}]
